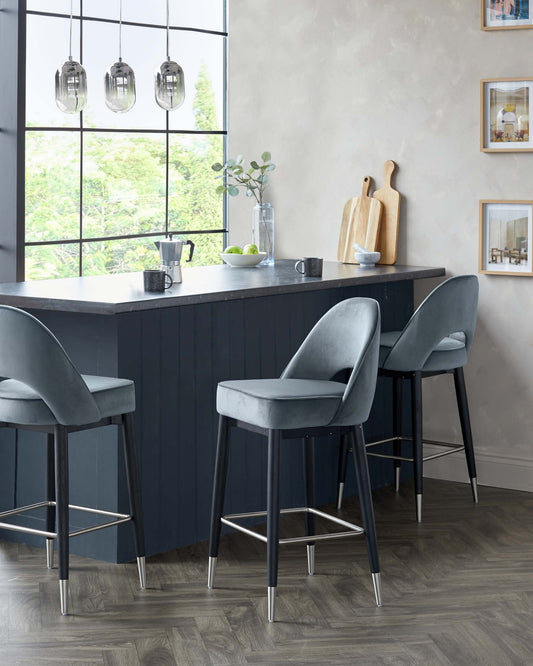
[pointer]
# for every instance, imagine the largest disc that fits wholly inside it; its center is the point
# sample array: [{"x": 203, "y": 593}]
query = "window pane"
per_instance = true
[
  {"x": 205, "y": 14},
  {"x": 143, "y": 49},
  {"x": 47, "y": 49},
  {"x": 123, "y": 184},
  {"x": 207, "y": 249},
  {"x": 52, "y": 185},
  {"x": 44, "y": 262},
  {"x": 201, "y": 57},
  {"x": 55, "y": 6},
  {"x": 193, "y": 202},
  {"x": 120, "y": 256}
]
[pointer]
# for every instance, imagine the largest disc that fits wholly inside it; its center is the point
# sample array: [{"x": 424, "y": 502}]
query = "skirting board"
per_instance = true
[{"x": 492, "y": 470}]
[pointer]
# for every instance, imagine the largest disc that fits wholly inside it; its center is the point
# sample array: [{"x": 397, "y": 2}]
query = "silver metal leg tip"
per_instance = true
[
  {"x": 271, "y": 603},
  {"x": 376, "y": 580},
  {"x": 397, "y": 471},
  {"x": 339, "y": 495},
  {"x": 50, "y": 553},
  {"x": 63, "y": 596},
  {"x": 419, "y": 508},
  {"x": 211, "y": 572},
  {"x": 311, "y": 559},
  {"x": 141, "y": 568},
  {"x": 473, "y": 482}
]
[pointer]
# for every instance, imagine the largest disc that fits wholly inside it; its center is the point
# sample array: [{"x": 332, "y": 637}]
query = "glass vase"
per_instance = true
[{"x": 263, "y": 231}]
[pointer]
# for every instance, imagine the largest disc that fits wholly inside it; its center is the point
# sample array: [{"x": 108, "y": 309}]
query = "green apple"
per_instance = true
[
  {"x": 251, "y": 248},
  {"x": 233, "y": 249}
]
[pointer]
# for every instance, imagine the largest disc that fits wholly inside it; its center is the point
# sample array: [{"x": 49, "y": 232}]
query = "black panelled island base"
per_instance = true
[{"x": 220, "y": 323}]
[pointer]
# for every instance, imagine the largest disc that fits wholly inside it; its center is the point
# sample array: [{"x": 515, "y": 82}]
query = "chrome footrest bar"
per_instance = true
[
  {"x": 22, "y": 509},
  {"x": 352, "y": 529},
  {"x": 389, "y": 456},
  {"x": 453, "y": 448},
  {"x": 27, "y": 530},
  {"x": 102, "y": 526},
  {"x": 120, "y": 518}
]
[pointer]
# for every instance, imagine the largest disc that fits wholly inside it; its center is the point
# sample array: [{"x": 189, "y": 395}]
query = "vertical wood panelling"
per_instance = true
[
  {"x": 187, "y": 491},
  {"x": 170, "y": 417},
  {"x": 205, "y": 415}
]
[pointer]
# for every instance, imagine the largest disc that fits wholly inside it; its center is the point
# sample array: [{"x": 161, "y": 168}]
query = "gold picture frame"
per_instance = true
[
  {"x": 505, "y": 233},
  {"x": 506, "y": 14},
  {"x": 506, "y": 115}
]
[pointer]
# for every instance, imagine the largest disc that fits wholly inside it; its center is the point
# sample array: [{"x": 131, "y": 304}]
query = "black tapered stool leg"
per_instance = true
[
  {"x": 416, "y": 418},
  {"x": 219, "y": 490},
  {"x": 62, "y": 513},
  {"x": 134, "y": 491},
  {"x": 51, "y": 497},
  {"x": 273, "y": 483},
  {"x": 309, "y": 476},
  {"x": 397, "y": 403},
  {"x": 367, "y": 508},
  {"x": 344, "y": 450},
  {"x": 464, "y": 416}
]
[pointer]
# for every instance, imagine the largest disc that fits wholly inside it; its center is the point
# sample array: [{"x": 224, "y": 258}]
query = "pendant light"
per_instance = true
[
  {"x": 120, "y": 81},
  {"x": 169, "y": 80},
  {"x": 71, "y": 81}
]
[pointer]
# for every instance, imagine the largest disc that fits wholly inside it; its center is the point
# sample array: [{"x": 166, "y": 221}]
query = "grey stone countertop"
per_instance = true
[{"x": 113, "y": 294}]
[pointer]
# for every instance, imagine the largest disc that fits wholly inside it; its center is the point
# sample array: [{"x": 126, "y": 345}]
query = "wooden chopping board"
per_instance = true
[
  {"x": 360, "y": 224},
  {"x": 390, "y": 198}
]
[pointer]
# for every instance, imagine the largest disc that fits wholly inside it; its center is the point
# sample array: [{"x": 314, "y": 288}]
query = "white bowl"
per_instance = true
[
  {"x": 367, "y": 259},
  {"x": 243, "y": 260}
]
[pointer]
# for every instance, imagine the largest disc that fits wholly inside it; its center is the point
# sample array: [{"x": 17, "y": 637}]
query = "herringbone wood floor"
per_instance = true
[{"x": 457, "y": 589}]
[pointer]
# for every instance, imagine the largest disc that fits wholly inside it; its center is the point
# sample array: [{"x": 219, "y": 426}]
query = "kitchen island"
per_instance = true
[{"x": 220, "y": 323}]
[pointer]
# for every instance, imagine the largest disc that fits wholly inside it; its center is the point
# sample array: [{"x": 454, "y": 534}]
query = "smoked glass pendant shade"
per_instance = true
[
  {"x": 71, "y": 87},
  {"x": 120, "y": 92},
  {"x": 169, "y": 85}
]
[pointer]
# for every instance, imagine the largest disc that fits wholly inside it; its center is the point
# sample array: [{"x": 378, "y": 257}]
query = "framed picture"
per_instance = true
[
  {"x": 505, "y": 232},
  {"x": 506, "y": 14},
  {"x": 506, "y": 108}
]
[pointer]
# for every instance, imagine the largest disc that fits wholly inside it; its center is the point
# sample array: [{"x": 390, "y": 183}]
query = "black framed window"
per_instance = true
[{"x": 100, "y": 187}]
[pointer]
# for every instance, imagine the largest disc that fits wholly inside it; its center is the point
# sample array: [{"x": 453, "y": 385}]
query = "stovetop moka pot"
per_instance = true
[{"x": 170, "y": 252}]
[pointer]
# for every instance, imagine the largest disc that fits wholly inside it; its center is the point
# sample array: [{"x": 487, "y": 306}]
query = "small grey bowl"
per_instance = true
[{"x": 367, "y": 259}]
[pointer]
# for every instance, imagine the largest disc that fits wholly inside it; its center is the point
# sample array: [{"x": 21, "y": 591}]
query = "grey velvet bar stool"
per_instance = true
[
  {"x": 435, "y": 341},
  {"x": 41, "y": 390},
  {"x": 304, "y": 403}
]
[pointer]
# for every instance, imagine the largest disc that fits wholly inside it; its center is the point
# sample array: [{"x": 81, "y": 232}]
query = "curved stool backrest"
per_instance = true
[
  {"x": 347, "y": 336},
  {"x": 31, "y": 354},
  {"x": 450, "y": 308}
]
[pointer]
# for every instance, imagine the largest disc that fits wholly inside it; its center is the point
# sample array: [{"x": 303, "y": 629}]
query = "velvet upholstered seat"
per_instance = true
[
  {"x": 22, "y": 404},
  {"x": 436, "y": 340},
  {"x": 280, "y": 403},
  {"x": 304, "y": 403},
  {"x": 448, "y": 353},
  {"x": 41, "y": 390}
]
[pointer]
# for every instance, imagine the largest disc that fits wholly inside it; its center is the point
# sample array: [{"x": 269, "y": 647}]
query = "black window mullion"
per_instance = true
[
  {"x": 135, "y": 24},
  {"x": 80, "y": 246}
]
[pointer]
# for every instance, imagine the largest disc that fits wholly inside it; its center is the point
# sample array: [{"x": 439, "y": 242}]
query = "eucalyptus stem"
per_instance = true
[{"x": 235, "y": 176}]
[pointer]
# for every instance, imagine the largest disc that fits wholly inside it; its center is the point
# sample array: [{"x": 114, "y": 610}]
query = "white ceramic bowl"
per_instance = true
[
  {"x": 243, "y": 260},
  {"x": 367, "y": 259}
]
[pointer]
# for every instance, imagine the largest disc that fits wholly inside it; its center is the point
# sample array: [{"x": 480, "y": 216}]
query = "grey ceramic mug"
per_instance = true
[
  {"x": 156, "y": 280},
  {"x": 309, "y": 267}
]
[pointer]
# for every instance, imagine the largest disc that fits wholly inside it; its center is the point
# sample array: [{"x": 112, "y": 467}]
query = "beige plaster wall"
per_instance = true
[{"x": 336, "y": 87}]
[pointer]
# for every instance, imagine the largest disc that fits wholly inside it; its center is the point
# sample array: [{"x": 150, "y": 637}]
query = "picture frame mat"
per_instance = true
[
  {"x": 511, "y": 83},
  {"x": 485, "y": 208},
  {"x": 514, "y": 24}
]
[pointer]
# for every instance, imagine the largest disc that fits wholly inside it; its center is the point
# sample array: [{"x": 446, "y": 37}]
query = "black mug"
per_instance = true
[
  {"x": 157, "y": 280},
  {"x": 311, "y": 267}
]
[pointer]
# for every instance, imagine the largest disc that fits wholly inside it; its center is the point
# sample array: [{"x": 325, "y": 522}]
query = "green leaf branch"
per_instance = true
[{"x": 253, "y": 179}]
